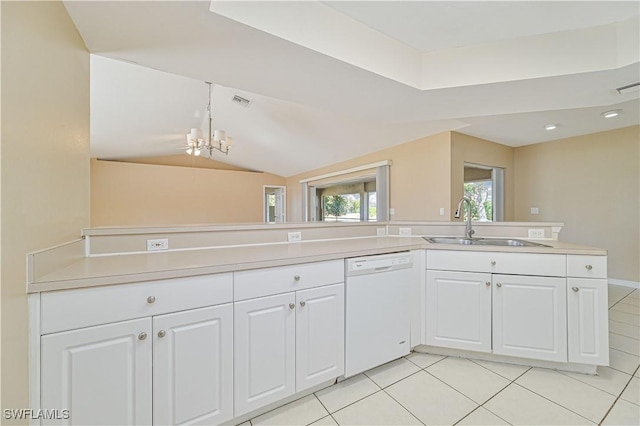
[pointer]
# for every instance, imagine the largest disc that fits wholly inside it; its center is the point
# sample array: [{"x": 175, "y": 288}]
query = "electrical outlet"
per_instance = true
[
  {"x": 159, "y": 244},
  {"x": 405, "y": 231},
  {"x": 535, "y": 210},
  {"x": 536, "y": 233},
  {"x": 294, "y": 237},
  {"x": 441, "y": 211},
  {"x": 381, "y": 232}
]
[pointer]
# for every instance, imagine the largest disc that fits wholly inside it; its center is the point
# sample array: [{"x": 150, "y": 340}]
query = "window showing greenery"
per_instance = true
[
  {"x": 480, "y": 194},
  {"x": 341, "y": 207}
]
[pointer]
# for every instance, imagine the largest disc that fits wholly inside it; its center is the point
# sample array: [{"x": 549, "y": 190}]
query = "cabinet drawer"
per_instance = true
[
  {"x": 553, "y": 265},
  {"x": 70, "y": 309},
  {"x": 281, "y": 279},
  {"x": 587, "y": 266}
]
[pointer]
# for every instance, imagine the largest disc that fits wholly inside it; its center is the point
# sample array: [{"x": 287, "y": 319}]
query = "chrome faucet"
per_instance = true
[{"x": 469, "y": 230}]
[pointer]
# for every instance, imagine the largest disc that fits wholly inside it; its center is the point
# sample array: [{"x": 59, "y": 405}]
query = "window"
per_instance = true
[
  {"x": 354, "y": 195},
  {"x": 483, "y": 185}
]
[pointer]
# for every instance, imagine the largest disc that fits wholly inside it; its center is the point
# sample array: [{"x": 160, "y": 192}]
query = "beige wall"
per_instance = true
[
  {"x": 419, "y": 178},
  {"x": 44, "y": 163},
  {"x": 470, "y": 149},
  {"x": 184, "y": 160},
  {"x": 146, "y": 194},
  {"x": 592, "y": 184}
]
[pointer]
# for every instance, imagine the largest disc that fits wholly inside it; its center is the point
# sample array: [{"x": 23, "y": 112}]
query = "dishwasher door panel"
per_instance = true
[{"x": 377, "y": 319}]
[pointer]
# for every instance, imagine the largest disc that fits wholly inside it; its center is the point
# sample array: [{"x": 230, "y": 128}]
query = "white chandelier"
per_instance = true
[{"x": 216, "y": 140}]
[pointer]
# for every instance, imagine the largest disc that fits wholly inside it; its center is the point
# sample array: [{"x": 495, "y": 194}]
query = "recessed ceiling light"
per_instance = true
[
  {"x": 611, "y": 114},
  {"x": 551, "y": 126}
]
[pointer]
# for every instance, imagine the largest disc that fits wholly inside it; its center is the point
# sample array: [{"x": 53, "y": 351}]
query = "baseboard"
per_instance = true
[{"x": 624, "y": 283}]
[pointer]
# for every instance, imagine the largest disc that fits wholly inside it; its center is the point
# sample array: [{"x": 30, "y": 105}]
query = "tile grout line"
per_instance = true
[
  {"x": 617, "y": 399},
  {"x": 325, "y": 408},
  {"x": 556, "y": 403},
  {"x": 564, "y": 373},
  {"x": 399, "y": 403}
]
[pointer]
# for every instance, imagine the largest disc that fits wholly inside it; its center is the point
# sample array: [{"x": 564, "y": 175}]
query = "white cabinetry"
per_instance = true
[
  {"x": 193, "y": 366},
  {"x": 587, "y": 309},
  {"x": 529, "y": 317},
  {"x": 458, "y": 310},
  {"x": 264, "y": 340},
  {"x": 165, "y": 366},
  {"x": 506, "y": 303},
  {"x": 288, "y": 342},
  {"x": 100, "y": 374}
]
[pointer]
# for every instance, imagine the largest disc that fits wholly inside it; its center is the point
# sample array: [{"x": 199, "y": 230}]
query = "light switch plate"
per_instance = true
[
  {"x": 392, "y": 211},
  {"x": 441, "y": 211},
  {"x": 535, "y": 210}
]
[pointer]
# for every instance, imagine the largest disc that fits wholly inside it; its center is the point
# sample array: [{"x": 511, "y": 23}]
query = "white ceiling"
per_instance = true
[{"x": 310, "y": 109}]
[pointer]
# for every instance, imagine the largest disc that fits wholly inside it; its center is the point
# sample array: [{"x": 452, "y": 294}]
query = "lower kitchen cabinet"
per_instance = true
[
  {"x": 587, "y": 320},
  {"x": 169, "y": 369},
  {"x": 287, "y": 343},
  {"x": 193, "y": 366},
  {"x": 319, "y": 335},
  {"x": 264, "y": 347},
  {"x": 529, "y": 317},
  {"x": 458, "y": 310},
  {"x": 101, "y": 374}
]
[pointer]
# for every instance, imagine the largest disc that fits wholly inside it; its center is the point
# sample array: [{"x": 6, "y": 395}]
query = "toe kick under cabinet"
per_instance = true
[{"x": 550, "y": 307}]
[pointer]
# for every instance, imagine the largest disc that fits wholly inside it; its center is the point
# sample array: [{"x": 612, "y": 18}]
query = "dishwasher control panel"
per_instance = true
[{"x": 379, "y": 263}]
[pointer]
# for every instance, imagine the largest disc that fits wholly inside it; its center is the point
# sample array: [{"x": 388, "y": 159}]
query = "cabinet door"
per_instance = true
[
  {"x": 588, "y": 326},
  {"x": 458, "y": 310},
  {"x": 264, "y": 351},
  {"x": 530, "y": 317},
  {"x": 193, "y": 366},
  {"x": 101, "y": 374},
  {"x": 319, "y": 335}
]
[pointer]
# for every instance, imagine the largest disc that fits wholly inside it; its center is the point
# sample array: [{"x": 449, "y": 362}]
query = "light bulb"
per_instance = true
[
  {"x": 196, "y": 152},
  {"x": 229, "y": 141},
  {"x": 189, "y": 151}
]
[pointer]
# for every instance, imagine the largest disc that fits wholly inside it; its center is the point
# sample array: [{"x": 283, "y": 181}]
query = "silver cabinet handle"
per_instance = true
[
  {"x": 493, "y": 263},
  {"x": 142, "y": 336},
  {"x": 162, "y": 333},
  {"x": 499, "y": 285},
  {"x": 589, "y": 267},
  {"x": 302, "y": 303},
  {"x": 296, "y": 277},
  {"x": 576, "y": 289},
  {"x": 151, "y": 299},
  {"x": 488, "y": 283},
  {"x": 292, "y": 305}
]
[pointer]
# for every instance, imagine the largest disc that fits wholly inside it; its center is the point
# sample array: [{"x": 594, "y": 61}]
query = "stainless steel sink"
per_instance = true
[{"x": 483, "y": 242}]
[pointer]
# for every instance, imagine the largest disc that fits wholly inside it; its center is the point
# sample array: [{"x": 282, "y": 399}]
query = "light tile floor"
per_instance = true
[{"x": 435, "y": 390}]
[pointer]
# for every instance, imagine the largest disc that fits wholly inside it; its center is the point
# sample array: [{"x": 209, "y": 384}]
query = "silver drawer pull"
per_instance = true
[
  {"x": 576, "y": 289},
  {"x": 151, "y": 299},
  {"x": 499, "y": 285},
  {"x": 303, "y": 303},
  {"x": 142, "y": 336},
  {"x": 589, "y": 267},
  {"x": 162, "y": 333},
  {"x": 493, "y": 263},
  {"x": 296, "y": 277},
  {"x": 292, "y": 305},
  {"x": 488, "y": 283}
]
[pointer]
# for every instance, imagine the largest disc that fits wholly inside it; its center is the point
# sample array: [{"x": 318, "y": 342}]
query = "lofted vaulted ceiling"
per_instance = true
[{"x": 329, "y": 81}]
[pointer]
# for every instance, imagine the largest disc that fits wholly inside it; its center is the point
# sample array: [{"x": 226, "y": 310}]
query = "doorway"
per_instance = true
[{"x": 274, "y": 202}]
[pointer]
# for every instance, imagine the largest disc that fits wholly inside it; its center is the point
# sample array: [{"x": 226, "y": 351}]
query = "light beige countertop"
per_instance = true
[{"x": 135, "y": 267}]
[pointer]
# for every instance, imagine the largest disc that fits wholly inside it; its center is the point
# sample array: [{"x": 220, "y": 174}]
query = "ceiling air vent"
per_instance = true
[{"x": 241, "y": 101}]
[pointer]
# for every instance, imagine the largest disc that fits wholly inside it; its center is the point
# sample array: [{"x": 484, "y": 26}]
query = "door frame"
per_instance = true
[{"x": 265, "y": 212}]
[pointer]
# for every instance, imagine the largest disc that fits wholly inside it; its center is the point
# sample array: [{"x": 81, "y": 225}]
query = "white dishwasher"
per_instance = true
[{"x": 377, "y": 310}]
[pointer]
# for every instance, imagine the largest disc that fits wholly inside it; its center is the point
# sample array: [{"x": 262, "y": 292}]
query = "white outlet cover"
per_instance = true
[
  {"x": 381, "y": 232},
  {"x": 392, "y": 211},
  {"x": 441, "y": 211},
  {"x": 158, "y": 244},
  {"x": 293, "y": 237},
  {"x": 405, "y": 231},
  {"x": 536, "y": 233},
  {"x": 535, "y": 210}
]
